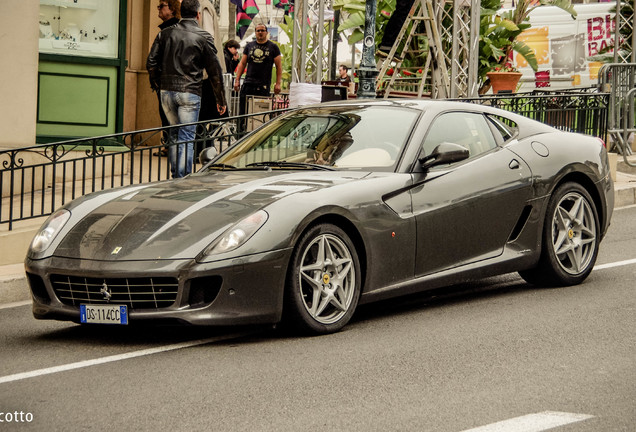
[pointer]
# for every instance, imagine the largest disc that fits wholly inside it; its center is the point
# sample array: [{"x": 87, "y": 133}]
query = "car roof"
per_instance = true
[{"x": 440, "y": 105}]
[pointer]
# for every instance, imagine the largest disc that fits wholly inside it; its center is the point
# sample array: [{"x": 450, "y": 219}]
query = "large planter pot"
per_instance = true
[{"x": 504, "y": 82}]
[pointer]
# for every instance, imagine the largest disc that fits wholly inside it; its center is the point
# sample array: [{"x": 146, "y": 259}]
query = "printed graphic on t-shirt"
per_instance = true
[{"x": 258, "y": 55}]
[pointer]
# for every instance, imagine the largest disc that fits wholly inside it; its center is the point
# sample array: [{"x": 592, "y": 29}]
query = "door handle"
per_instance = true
[{"x": 514, "y": 164}]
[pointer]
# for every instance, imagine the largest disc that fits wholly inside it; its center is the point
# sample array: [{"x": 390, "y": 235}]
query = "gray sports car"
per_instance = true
[{"x": 327, "y": 207}]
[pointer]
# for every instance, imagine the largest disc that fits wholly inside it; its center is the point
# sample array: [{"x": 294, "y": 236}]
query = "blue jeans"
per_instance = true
[{"x": 181, "y": 107}]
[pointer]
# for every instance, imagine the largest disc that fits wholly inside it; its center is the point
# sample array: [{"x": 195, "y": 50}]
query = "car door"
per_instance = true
[{"x": 466, "y": 211}]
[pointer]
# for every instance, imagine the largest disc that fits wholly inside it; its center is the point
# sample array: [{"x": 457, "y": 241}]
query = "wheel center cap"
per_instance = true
[
  {"x": 325, "y": 278},
  {"x": 570, "y": 233}
]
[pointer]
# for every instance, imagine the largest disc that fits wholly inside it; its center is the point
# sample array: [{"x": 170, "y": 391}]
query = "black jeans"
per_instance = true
[
  {"x": 393, "y": 27},
  {"x": 208, "y": 111},
  {"x": 249, "y": 89}
]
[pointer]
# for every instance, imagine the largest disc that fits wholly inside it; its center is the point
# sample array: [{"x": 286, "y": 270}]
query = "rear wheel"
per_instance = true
[
  {"x": 323, "y": 285},
  {"x": 570, "y": 239}
]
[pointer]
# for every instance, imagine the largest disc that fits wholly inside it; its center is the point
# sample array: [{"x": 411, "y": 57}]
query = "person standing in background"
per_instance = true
[
  {"x": 170, "y": 14},
  {"x": 209, "y": 22},
  {"x": 343, "y": 77},
  {"x": 393, "y": 27},
  {"x": 345, "y": 81},
  {"x": 230, "y": 52},
  {"x": 259, "y": 57},
  {"x": 176, "y": 62}
]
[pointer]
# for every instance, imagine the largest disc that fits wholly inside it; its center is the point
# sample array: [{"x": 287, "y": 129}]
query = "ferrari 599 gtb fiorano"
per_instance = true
[{"x": 328, "y": 207}]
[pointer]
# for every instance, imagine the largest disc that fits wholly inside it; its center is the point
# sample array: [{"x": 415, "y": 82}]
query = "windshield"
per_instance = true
[{"x": 351, "y": 137}]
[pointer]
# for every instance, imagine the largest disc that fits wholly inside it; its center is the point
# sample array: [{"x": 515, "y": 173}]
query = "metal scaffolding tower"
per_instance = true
[
  {"x": 464, "y": 58},
  {"x": 456, "y": 21},
  {"x": 311, "y": 63},
  {"x": 624, "y": 25}
]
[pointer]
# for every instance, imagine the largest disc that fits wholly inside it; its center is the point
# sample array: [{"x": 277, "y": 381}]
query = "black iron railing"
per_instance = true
[
  {"x": 37, "y": 180},
  {"x": 583, "y": 111}
]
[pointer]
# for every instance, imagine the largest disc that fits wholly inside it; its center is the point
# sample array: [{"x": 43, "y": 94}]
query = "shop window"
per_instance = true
[{"x": 79, "y": 27}]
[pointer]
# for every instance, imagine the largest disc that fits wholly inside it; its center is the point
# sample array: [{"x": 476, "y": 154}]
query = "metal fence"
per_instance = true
[
  {"x": 36, "y": 180},
  {"x": 620, "y": 80},
  {"x": 583, "y": 111}
]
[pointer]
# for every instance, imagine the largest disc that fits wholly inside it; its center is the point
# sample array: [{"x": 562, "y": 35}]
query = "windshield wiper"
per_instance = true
[
  {"x": 290, "y": 165},
  {"x": 220, "y": 165}
]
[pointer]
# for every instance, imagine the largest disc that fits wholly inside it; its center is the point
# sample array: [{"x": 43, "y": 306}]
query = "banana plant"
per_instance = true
[
  {"x": 498, "y": 34},
  {"x": 286, "y": 51},
  {"x": 354, "y": 21}
]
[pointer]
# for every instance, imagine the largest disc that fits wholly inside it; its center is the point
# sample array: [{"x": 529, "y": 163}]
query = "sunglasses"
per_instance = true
[
  {"x": 161, "y": 6},
  {"x": 261, "y": 30}
]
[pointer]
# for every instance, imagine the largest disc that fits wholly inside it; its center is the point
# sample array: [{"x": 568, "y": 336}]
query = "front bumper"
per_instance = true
[{"x": 245, "y": 290}]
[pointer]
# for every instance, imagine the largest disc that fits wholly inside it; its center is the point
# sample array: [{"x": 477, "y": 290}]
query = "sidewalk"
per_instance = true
[{"x": 13, "y": 286}]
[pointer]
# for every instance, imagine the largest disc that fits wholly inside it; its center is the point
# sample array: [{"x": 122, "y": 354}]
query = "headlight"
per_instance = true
[
  {"x": 238, "y": 234},
  {"x": 50, "y": 229}
]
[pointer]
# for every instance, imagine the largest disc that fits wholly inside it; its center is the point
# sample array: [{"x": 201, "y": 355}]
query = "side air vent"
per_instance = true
[{"x": 523, "y": 218}]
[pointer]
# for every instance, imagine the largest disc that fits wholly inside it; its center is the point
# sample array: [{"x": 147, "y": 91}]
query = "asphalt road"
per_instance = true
[{"x": 451, "y": 360}]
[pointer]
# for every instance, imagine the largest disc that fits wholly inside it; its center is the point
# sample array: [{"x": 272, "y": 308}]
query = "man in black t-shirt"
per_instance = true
[
  {"x": 343, "y": 75},
  {"x": 259, "y": 57}
]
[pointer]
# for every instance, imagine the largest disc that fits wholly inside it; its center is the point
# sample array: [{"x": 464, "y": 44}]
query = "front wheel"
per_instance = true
[
  {"x": 323, "y": 285},
  {"x": 570, "y": 239}
]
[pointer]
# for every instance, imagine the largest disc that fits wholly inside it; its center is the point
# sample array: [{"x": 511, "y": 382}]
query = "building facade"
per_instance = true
[{"x": 76, "y": 68}]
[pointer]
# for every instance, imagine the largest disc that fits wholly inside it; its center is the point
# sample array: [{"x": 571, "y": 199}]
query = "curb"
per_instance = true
[{"x": 13, "y": 286}]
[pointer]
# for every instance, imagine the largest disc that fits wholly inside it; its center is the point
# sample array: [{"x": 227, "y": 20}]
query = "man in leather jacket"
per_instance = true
[
  {"x": 169, "y": 11},
  {"x": 176, "y": 62}
]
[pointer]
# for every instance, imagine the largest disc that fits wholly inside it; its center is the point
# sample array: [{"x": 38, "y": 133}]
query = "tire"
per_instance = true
[
  {"x": 323, "y": 284},
  {"x": 570, "y": 239}
]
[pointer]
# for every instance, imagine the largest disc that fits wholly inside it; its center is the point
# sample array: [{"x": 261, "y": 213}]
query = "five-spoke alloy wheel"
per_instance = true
[
  {"x": 323, "y": 286},
  {"x": 570, "y": 238}
]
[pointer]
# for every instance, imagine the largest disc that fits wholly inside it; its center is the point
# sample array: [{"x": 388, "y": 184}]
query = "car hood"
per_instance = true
[{"x": 177, "y": 219}]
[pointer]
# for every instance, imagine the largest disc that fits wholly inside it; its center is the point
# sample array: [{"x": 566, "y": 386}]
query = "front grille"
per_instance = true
[{"x": 136, "y": 293}]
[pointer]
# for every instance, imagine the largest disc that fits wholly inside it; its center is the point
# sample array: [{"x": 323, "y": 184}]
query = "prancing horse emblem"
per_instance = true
[{"x": 105, "y": 291}]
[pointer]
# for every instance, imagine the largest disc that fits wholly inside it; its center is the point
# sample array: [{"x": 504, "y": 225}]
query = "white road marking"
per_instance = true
[
  {"x": 533, "y": 422},
  {"x": 119, "y": 357},
  {"x": 87, "y": 363},
  {"x": 615, "y": 264},
  {"x": 16, "y": 304}
]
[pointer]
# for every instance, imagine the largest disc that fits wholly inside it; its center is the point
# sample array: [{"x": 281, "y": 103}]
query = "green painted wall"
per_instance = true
[{"x": 76, "y": 100}]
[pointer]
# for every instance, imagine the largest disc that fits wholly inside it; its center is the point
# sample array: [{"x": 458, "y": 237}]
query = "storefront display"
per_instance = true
[
  {"x": 81, "y": 68},
  {"x": 79, "y": 27}
]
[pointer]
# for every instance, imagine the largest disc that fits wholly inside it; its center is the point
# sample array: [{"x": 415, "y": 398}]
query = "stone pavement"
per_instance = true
[{"x": 13, "y": 287}]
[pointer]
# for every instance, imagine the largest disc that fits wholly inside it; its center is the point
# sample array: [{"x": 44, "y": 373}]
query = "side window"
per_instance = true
[
  {"x": 503, "y": 128},
  {"x": 466, "y": 129}
]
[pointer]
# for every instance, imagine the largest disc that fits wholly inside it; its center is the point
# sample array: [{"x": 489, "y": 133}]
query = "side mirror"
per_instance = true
[
  {"x": 445, "y": 153},
  {"x": 207, "y": 154}
]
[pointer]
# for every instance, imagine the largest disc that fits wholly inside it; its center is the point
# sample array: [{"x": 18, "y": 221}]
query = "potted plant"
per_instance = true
[
  {"x": 498, "y": 32},
  {"x": 504, "y": 79}
]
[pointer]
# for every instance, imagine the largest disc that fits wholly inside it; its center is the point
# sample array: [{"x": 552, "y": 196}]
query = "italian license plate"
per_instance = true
[{"x": 103, "y": 314}]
